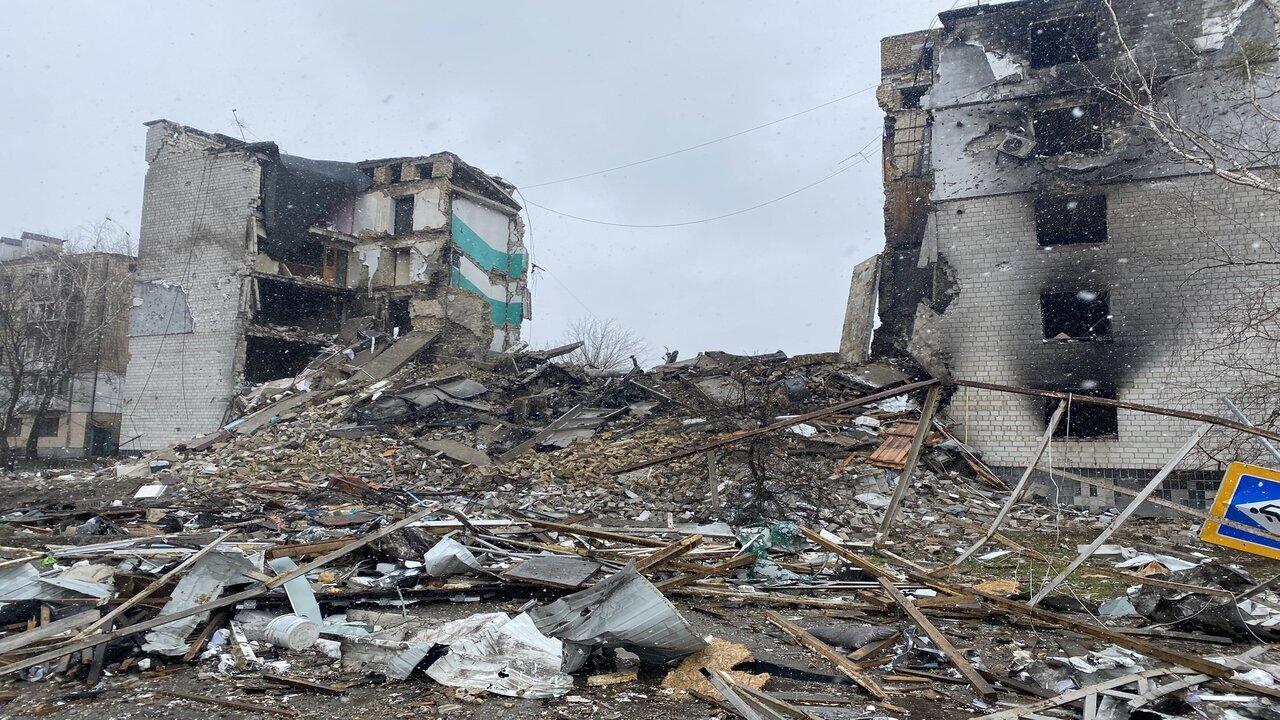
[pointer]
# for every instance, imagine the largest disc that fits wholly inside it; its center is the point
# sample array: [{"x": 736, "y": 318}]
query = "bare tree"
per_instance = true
[
  {"x": 106, "y": 235},
  {"x": 59, "y": 315},
  {"x": 1222, "y": 122},
  {"x": 606, "y": 344}
]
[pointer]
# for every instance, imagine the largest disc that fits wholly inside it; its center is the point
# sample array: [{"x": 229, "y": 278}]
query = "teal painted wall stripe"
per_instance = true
[
  {"x": 500, "y": 313},
  {"x": 483, "y": 254}
]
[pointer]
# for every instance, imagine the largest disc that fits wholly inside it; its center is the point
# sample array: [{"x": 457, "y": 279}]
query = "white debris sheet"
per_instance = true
[{"x": 507, "y": 657}]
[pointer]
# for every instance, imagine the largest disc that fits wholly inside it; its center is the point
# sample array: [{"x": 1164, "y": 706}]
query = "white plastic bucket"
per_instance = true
[{"x": 292, "y": 632}]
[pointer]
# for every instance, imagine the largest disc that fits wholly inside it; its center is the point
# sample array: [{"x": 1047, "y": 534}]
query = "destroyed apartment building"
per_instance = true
[
  {"x": 1078, "y": 199},
  {"x": 64, "y": 344},
  {"x": 252, "y": 262}
]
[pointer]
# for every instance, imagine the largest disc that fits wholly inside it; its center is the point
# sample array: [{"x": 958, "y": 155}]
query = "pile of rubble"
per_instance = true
[{"x": 570, "y": 542}]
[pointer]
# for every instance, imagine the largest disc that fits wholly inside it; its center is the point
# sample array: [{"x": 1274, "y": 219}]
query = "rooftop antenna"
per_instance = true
[{"x": 239, "y": 124}]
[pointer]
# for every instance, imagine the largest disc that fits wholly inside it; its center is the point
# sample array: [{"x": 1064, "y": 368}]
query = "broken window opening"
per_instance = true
[
  {"x": 398, "y": 315},
  {"x": 1085, "y": 420},
  {"x": 15, "y": 430},
  {"x": 334, "y": 270},
  {"x": 1069, "y": 129},
  {"x": 290, "y": 304},
  {"x": 46, "y": 426},
  {"x": 1066, "y": 220},
  {"x": 1054, "y": 42},
  {"x": 1078, "y": 315},
  {"x": 268, "y": 359},
  {"x": 368, "y": 171},
  {"x": 911, "y": 97},
  {"x": 403, "y": 216},
  {"x": 400, "y": 262},
  {"x": 424, "y": 171},
  {"x": 397, "y": 171}
]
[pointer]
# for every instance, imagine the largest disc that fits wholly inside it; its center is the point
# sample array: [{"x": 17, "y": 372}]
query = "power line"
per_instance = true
[
  {"x": 702, "y": 144},
  {"x": 780, "y": 198}
]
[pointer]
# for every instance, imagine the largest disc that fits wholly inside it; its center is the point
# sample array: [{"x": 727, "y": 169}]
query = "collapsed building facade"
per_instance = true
[
  {"x": 66, "y": 326},
  {"x": 1077, "y": 199},
  {"x": 251, "y": 262}
]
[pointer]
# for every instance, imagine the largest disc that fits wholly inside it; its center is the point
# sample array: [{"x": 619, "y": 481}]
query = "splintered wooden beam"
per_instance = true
[
  {"x": 596, "y": 533},
  {"x": 980, "y": 685},
  {"x": 668, "y": 553},
  {"x": 1120, "y": 519},
  {"x": 1017, "y": 490},
  {"x": 853, "y": 559},
  {"x": 692, "y": 574},
  {"x": 1072, "y": 696},
  {"x": 841, "y": 663},
  {"x": 913, "y": 459},
  {"x": 1159, "y": 652}
]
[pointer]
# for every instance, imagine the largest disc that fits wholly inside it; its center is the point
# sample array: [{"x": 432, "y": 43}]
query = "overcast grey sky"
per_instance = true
[{"x": 531, "y": 91}]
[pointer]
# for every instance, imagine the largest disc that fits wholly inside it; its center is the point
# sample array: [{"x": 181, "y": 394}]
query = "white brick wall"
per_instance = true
[
  {"x": 993, "y": 332},
  {"x": 196, "y": 211}
]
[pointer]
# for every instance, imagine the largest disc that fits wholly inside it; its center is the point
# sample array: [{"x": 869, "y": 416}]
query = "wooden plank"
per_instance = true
[
  {"x": 841, "y": 663},
  {"x": 670, "y": 552},
  {"x": 1018, "y": 489},
  {"x": 1013, "y": 684},
  {"x": 1072, "y": 695},
  {"x": 873, "y": 649},
  {"x": 913, "y": 459},
  {"x": 980, "y": 685},
  {"x": 597, "y": 533},
  {"x": 1172, "y": 687},
  {"x": 155, "y": 585},
  {"x": 224, "y": 601},
  {"x": 1129, "y": 510},
  {"x": 856, "y": 560},
  {"x": 304, "y": 684},
  {"x": 1159, "y": 652},
  {"x": 215, "y": 621},
  {"x": 780, "y": 425},
  {"x": 694, "y": 572},
  {"x": 395, "y": 357},
  {"x": 47, "y": 630}
]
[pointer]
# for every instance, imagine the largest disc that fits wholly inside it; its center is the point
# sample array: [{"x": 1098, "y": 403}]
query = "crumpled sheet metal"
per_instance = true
[
  {"x": 624, "y": 610},
  {"x": 507, "y": 657},
  {"x": 203, "y": 583}
]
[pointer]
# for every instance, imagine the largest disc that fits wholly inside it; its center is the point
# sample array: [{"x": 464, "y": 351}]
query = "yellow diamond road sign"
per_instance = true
[{"x": 1249, "y": 495}]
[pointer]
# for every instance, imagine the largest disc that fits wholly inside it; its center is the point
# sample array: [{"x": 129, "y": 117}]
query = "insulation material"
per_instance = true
[
  {"x": 719, "y": 655},
  {"x": 508, "y": 658},
  {"x": 448, "y": 557}
]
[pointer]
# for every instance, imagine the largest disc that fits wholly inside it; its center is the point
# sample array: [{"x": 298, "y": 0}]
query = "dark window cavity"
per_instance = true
[
  {"x": 1062, "y": 220},
  {"x": 15, "y": 429},
  {"x": 395, "y": 173},
  {"x": 424, "y": 171},
  {"x": 1075, "y": 315},
  {"x": 1085, "y": 420},
  {"x": 1073, "y": 39},
  {"x": 911, "y": 97},
  {"x": 404, "y": 216},
  {"x": 1069, "y": 129},
  {"x": 367, "y": 171},
  {"x": 46, "y": 426}
]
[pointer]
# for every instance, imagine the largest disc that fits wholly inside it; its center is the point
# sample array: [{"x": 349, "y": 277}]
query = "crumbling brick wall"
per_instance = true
[{"x": 197, "y": 214}]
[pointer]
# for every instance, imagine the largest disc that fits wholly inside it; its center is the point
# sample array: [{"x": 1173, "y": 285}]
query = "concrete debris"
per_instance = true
[{"x": 516, "y": 528}]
